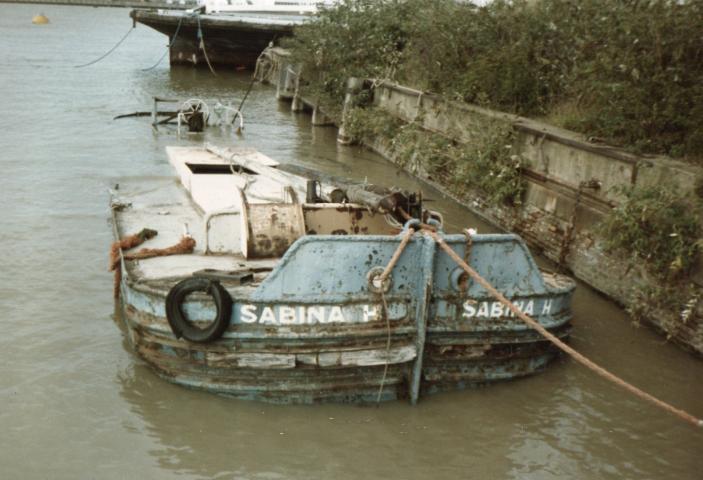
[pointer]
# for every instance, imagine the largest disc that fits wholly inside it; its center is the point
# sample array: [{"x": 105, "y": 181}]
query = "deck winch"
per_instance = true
[{"x": 192, "y": 115}]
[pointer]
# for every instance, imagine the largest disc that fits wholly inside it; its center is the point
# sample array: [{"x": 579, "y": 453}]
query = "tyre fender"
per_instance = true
[{"x": 181, "y": 326}]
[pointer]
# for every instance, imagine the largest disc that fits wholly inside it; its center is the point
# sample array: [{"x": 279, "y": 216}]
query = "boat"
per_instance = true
[
  {"x": 230, "y": 33},
  {"x": 302, "y": 291}
]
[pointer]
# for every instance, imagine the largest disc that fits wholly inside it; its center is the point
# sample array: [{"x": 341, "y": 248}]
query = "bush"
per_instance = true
[
  {"x": 489, "y": 163},
  {"x": 655, "y": 225},
  {"x": 633, "y": 68}
]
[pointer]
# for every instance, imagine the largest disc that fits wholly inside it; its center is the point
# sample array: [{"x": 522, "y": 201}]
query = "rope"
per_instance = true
[
  {"x": 382, "y": 279},
  {"x": 388, "y": 347},
  {"x": 126, "y": 243},
  {"x": 132, "y": 28},
  {"x": 241, "y": 104},
  {"x": 202, "y": 45},
  {"x": 560, "y": 344},
  {"x": 168, "y": 47},
  {"x": 186, "y": 245},
  {"x": 396, "y": 256}
]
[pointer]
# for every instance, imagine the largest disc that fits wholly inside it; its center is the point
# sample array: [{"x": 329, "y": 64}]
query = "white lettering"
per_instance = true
[
  {"x": 287, "y": 315},
  {"x": 267, "y": 317},
  {"x": 316, "y": 315},
  {"x": 469, "y": 309},
  {"x": 336, "y": 315},
  {"x": 370, "y": 313},
  {"x": 246, "y": 313},
  {"x": 300, "y": 317},
  {"x": 547, "y": 307},
  {"x": 496, "y": 310},
  {"x": 529, "y": 309},
  {"x": 483, "y": 310}
]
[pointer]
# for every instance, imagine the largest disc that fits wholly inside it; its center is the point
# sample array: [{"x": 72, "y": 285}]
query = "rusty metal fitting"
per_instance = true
[
  {"x": 413, "y": 224},
  {"x": 376, "y": 283},
  {"x": 459, "y": 280}
]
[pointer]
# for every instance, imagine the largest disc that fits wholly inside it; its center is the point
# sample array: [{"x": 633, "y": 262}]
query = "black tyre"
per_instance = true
[{"x": 181, "y": 326}]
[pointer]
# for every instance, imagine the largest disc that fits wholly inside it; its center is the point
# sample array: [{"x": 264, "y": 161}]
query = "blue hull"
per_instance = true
[{"x": 315, "y": 329}]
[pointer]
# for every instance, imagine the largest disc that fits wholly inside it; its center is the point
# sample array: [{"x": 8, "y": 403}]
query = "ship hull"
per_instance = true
[{"x": 230, "y": 41}]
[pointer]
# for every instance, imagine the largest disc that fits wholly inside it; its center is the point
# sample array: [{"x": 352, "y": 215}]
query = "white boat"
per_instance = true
[{"x": 301, "y": 7}]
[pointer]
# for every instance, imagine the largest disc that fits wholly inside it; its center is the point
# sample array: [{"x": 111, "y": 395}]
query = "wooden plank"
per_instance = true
[
  {"x": 250, "y": 360},
  {"x": 367, "y": 358}
]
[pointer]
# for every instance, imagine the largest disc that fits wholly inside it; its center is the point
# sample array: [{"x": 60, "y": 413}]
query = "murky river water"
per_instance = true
[{"x": 76, "y": 403}]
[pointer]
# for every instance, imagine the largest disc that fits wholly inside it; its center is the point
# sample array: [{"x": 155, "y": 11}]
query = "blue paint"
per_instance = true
[{"x": 291, "y": 311}]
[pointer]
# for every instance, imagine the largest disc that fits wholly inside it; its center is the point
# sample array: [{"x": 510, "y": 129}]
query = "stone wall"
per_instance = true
[{"x": 571, "y": 185}]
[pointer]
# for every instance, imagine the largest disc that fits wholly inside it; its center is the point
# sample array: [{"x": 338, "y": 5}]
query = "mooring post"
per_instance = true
[
  {"x": 354, "y": 87},
  {"x": 282, "y": 84},
  {"x": 422, "y": 310},
  {"x": 319, "y": 119},
  {"x": 297, "y": 104},
  {"x": 154, "y": 110}
]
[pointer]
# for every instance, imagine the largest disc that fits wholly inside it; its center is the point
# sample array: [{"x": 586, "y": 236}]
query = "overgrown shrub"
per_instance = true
[
  {"x": 488, "y": 163},
  {"x": 631, "y": 69},
  {"x": 656, "y": 225}
]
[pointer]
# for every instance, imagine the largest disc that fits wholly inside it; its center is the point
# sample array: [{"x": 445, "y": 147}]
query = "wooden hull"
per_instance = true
[
  {"x": 233, "y": 42},
  {"x": 343, "y": 364},
  {"x": 306, "y": 323}
]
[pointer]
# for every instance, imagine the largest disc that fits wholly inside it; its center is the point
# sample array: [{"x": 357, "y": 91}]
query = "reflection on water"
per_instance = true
[{"x": 76, "y": 403}]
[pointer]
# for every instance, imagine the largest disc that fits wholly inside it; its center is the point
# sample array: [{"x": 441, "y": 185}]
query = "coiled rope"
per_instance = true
[
  {"x": 132, "y": 28},
  {"x": 168, "y": 47},
  {"x": 185, "y": 245}
]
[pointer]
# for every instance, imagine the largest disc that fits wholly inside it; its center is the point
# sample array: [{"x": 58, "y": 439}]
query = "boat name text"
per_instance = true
[
  {"x": 304, "y": 315},
  {"x": 473, "y": 309}
]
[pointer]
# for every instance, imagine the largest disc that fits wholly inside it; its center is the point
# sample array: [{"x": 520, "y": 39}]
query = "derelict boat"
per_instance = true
[{"x": 280, "y": 301}]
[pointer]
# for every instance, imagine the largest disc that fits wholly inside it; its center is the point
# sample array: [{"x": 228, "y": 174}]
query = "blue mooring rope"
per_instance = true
[
  {"x": 109, "y": 51},
  {"x": 168, "y": 47}
]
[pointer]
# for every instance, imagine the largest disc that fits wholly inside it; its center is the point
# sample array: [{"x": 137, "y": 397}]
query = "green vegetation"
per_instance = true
[
  {"x": 628, "y": 72},
  {"x": 489, "y": 162},
  {"x": 661, "y": 229},
  {"x": 656, "y": 225}
]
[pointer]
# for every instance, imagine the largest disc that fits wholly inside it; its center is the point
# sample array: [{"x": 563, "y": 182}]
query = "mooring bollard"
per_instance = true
[
  {"x": 297, "y": 105},
  {"x": 354, "y": 87},
  {"x": 319, "y": 119}
]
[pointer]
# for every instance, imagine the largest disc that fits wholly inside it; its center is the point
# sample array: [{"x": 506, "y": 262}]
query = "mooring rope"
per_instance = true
[
  {"x": 168, "y": 47},
  {"x": 202, "y": 45},
  {"x": 132, "y": 28},
  {"x": 396, "y": 256},
  {"x": 388, "y": 346},
  {"x": 126, "y": 243},
  {"x": 241, "y": 104},
  {"x": 560, "y": 344},
  {"x": 382, "y": 279},
  {"x": 185, "y": 245}
]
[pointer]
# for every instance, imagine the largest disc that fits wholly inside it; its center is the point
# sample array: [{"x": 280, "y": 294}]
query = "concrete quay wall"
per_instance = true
[{"x": 571, "y": 186}]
